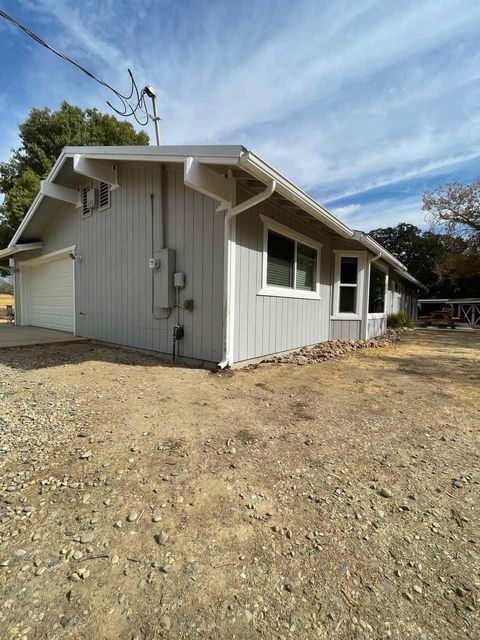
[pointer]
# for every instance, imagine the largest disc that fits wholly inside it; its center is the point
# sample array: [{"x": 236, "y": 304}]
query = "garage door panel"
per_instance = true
[{"x": 49, "y": 294}]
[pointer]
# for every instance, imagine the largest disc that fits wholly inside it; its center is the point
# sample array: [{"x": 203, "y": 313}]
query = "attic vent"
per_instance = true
[
  {"x": 86, "y": 205},
  {"x": 104, "y": 196}
]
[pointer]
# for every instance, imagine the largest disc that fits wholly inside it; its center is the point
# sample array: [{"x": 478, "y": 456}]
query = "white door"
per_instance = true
[{"x": 49, "y": 296}]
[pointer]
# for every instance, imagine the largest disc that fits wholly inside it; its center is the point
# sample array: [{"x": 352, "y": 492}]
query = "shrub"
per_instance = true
[{"x": 399, "y": 320}]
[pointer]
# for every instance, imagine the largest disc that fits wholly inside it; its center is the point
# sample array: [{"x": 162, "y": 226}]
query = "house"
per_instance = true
[{"x": 207, "y": 250}]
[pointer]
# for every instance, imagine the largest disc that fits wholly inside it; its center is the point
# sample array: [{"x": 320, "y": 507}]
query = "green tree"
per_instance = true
[
  {"x": 43, "y": 135},
  {"x": 420, "y": 252},
  {"x": 455, "y": 209}
]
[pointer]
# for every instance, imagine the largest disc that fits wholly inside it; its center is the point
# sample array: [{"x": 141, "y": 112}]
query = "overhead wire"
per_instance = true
[{"x": 138, "y": 110}]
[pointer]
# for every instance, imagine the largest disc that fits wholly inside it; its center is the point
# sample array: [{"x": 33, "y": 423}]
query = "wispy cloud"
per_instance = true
[{"x": 343, "y": 97}]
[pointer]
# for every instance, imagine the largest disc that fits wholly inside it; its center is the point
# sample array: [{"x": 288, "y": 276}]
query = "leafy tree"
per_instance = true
[
  {"x": 419, "y": 252},
  {"x": 43, "y": 135},
  {"x": 445, "y": 264},
  {"x": 455, "y": 207}
]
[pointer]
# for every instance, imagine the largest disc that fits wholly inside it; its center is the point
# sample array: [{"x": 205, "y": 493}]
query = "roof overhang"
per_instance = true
[
  {"x": 87, "y": 161},
  {"x": 11, "y": 250}
]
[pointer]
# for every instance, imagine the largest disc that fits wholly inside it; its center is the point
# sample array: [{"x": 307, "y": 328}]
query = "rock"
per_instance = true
[
  {"x": 407, "y": 596},
  {"x": 40, "y": 571},
  {"x": 115, "y": 559},
  {"x": 456, "y": 484},
  {"x": 87, "y": 537},
  {"x": 77, "y": 555},
  {"x": 132, "y": 516},
  {"x": 20, "y": 553},
  {"x": 308, "y": 441},
  {"x": 156, "y": 517},
  {"x": 166, "y": 622},
  {"x": 83, "y": 573},
  {"x": 385, "y": 493},
  {"x": 161, "y": 538},
  {"x": 417, "y": 588},
  {"x": 166, "y": 568}
]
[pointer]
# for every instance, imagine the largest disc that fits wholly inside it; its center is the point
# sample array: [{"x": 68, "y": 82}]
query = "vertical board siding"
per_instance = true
[
  {"x": 345, "y": 329},
  {"x": 270, "y": 324},
  {"x": 376, "y": 327},
  {"x": 113, "y": 283}
]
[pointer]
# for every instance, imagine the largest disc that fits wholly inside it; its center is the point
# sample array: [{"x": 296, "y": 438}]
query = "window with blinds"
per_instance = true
[{"x": 290, "y": 264}]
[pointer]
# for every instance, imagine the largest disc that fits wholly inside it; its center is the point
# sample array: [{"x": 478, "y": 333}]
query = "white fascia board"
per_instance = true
[
  {"x": 408, "y": 276},
  {"x": 38, "y": 199},
  {"x": 64, "y": 194},
  {"x": 377, "y": 248},
  {"x": 18, "y": 248},
  {"x": 28, "y": 216},
  {"x": 265, "y": 173},
  {"x": 96, "y": 170}
]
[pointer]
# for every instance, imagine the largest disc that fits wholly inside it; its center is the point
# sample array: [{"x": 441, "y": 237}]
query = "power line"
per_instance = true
[{"x": 139, "y": 108}]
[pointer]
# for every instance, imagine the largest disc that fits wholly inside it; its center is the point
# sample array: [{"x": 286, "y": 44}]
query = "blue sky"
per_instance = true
[{"x": 364, "y": 104}]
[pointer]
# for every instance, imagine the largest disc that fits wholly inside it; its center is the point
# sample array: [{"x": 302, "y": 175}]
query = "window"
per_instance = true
[
  {"x": 291, "y": 262},
  {"x": 281, "y": 260},
  {"x": 347, "y": 296},
  {"x": 348, "y": 284},
  {"x": 376, "y": 292}
]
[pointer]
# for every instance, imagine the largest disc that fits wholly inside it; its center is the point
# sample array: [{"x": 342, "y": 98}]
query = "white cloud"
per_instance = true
[
  {"x": 340, "y": 96},
  {"x": 383, "y": 213}
]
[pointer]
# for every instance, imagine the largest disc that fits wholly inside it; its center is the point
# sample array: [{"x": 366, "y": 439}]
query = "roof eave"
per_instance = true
[{"x": 254, "y": 165}]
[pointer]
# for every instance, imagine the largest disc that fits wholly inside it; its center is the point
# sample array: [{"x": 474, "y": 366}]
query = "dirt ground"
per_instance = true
[{"x": 333, "y": 500}]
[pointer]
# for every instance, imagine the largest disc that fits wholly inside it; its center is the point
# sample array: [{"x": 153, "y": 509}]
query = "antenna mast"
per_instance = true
[{"x": 152, "y": 94}]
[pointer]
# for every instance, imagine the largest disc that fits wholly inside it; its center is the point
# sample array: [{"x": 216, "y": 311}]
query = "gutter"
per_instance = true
[{"x": 265, "y": 173}]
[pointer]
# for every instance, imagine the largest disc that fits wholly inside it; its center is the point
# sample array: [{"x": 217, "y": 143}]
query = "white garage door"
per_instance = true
[{"x": 49, "y": 294}]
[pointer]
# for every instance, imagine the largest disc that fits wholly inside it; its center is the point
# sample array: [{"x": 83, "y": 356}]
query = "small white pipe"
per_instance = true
[{"x": 229, "y": 273}]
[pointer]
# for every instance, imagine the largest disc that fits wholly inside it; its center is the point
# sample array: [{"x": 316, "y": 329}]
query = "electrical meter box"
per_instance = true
[{"x": 163, "y": 289}]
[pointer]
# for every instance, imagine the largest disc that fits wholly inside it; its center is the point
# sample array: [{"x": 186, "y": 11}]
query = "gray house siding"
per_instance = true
[
  {"x": 113, "y": 283},
  {"x": 376, "y": 327},
  {"x": 263, "y": 324},
  {"x": 345, "y": 329}
]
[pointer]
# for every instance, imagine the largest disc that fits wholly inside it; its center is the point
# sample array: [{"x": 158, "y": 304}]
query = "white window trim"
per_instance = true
[
  {"x": 284, "y": 292},
  {"x": 373, "y": 316},
  {"x": 362, "y": 258}
]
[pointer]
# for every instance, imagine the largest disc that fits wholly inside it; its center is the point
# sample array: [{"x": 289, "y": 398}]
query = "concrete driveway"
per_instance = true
[{"x": 12, "y": 336}]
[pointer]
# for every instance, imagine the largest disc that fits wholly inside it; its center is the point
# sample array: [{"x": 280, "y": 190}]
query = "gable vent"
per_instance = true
[
  {"x": 104, "y": 195},
  {"x": 86, "y": 205}
]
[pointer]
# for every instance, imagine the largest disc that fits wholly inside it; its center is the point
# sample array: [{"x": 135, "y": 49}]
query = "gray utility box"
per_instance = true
[{"x": 163, "y": 289}]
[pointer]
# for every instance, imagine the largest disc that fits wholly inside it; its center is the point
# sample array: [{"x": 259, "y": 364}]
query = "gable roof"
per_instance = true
[{"x": 224, "y": 155}]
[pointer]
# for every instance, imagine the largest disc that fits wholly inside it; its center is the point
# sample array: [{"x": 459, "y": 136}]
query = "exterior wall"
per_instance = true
[
  {"x": 345, "y": 329},
  {"x": 401, "y": 296},
  {"x": 113, "y": 282},
  {"x": 264, "y": 324},
  {"x": 376, "y": 327}
]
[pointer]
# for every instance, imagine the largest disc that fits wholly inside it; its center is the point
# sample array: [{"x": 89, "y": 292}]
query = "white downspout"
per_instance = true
[
  {"x": 229, "y": 268},
  {"x": 365, "y": 295}
]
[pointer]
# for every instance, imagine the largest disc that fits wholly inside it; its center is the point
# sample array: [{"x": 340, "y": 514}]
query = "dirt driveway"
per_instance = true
[{"x": 332, "y": 500}]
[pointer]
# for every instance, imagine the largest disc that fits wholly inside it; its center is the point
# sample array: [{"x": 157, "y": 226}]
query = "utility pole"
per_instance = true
[{"x": 152, "y": 94}]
